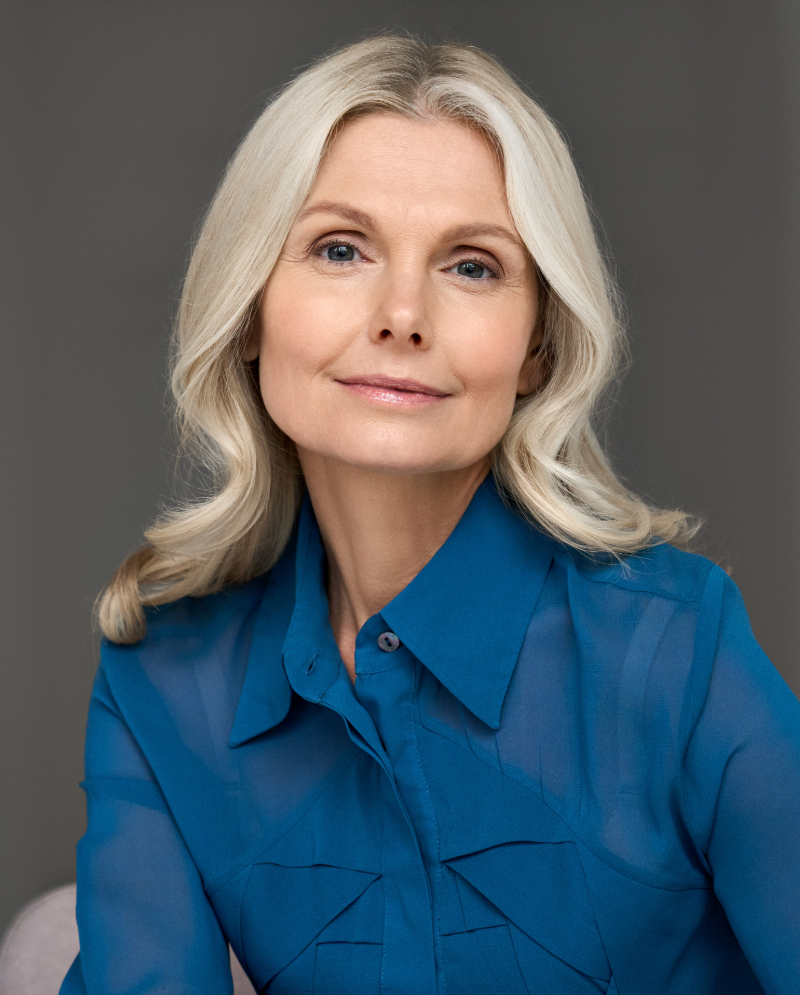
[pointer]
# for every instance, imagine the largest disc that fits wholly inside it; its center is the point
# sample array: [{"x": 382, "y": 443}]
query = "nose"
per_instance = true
[
  {"x": 414, "y": 338},
  {"x": 401, "y": 315}
]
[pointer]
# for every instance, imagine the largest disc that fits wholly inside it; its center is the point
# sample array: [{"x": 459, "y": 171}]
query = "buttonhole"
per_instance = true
[{"x": 310, "y": 665}]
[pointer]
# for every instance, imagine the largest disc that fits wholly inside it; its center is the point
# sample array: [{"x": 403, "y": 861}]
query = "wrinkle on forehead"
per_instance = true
[
  {"x": 365, "y": 220},
  {"x": 414, "y": 169}
]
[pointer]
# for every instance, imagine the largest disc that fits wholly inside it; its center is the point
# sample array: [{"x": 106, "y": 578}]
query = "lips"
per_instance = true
[
  {"x": 393, "y": 391},
  {"x": 393, "y": 383}
]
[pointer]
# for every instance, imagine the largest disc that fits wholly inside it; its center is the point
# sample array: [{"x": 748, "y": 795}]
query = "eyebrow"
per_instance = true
[
  {"x": 360, "y": 218},
  {"x": 460, "y": 233},
  {"x": 466, "y": 232}
]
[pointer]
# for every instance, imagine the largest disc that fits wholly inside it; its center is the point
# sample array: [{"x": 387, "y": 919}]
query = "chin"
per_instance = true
[
  {"x": 395, "y": 453},
  {"x": 398, "y": 465},
  {"x": 400, "y": 462}
]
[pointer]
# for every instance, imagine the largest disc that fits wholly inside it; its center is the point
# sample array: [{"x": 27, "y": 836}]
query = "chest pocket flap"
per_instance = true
[
  {"x": 285, "y": 908},
  {"x": 540, "y": 888},
  {"x": 517, "y": 853},
  {"x": 309, "y": 877}
]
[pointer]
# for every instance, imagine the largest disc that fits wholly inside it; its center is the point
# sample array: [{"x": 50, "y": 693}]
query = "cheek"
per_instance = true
[
  {"x": 295, "y": 337},
  {"x": 301, "y": 336},
  {"x": 287, "y": 356},
  {"x": 304, "y": 332},
  {"x": 488, "y": 360}
]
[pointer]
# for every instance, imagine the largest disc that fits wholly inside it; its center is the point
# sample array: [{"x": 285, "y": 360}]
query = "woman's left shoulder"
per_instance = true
[
  {"x": 669, "y": 626},
  {"x": 661, "y": 570},
  {"x": 662, "y": 615}
]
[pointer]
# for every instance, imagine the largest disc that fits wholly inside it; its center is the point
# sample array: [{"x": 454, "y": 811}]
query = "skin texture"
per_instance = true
[{"x": 429, "y": 282}]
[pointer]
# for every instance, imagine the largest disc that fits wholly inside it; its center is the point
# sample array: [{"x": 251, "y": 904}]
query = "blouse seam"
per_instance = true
[
  {"x": 161, "y": 625},
  {"x": 437, "y": 911},
  {"x": 329, "y": 686},
  {"x": 641, "y": 589},
  {"x": 385, "y": 916},
  {"x": 288, "y": 829},
  {"x": 578, "y": 837},
  {"x": 692, "y": 725},
  {"x": 121, "y": 716}
]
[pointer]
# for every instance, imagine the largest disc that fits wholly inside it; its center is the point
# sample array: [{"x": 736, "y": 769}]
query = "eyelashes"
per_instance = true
[
  {"x": 478, "y": 261},
  {"x": 320, "y": 248}
]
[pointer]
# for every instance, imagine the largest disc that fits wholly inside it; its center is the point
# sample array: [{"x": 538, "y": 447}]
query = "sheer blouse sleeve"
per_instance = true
[
  {"x": 742, "y": 787},
  {"x": 144, "y": 920}
]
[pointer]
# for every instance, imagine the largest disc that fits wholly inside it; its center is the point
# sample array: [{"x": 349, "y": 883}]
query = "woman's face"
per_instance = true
[{"x": 399, "y": 324}]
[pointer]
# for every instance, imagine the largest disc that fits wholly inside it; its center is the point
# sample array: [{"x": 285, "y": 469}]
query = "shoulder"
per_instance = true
[
  {"x": 659, "y": 610},
  {"x": 195, "y": 652},
  {"x": 194, "y": 649},
  {"x": 205, "y": 616},
  {"x": 649, "y": 625},
  {"x": 198, "y": 646},
  {"x": 178, "y": 688},
  {"x": 178, "y": 629},
  {"x": 670, "y": 631},
  {"x": 660, "y": 570}
]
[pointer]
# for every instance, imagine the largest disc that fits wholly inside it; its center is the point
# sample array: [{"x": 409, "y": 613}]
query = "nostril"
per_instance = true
[
  {"x": 416, "y": 339},
  {"x": 385, "y": 334}
]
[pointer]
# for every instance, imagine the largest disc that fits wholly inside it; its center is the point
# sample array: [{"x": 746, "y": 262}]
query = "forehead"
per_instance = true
[{"x": 385, "y": 161}]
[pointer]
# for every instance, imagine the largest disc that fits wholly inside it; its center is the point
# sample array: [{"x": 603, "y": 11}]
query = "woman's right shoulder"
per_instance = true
[
  {"x": 195, "y": 653},
  {"x": 181, "y": 683},
  {"x": 187, "y": 635}
]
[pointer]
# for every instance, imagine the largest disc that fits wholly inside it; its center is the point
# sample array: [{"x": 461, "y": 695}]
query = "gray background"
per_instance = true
[{"x": 117, "y": 120}]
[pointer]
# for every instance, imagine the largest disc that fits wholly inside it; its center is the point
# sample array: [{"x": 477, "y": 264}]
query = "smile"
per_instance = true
[{"x": 393, "y": 391}]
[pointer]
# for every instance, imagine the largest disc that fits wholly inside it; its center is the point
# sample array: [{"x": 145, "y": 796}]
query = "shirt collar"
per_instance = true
[{"x": 464, "y": 616}]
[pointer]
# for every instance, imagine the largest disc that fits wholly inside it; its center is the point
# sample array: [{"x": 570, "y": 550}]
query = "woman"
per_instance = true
[{"x": 418, "y": 698}]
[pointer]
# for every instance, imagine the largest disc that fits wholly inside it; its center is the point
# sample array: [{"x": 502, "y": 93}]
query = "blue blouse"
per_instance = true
[{"x": 569, "y": 777}]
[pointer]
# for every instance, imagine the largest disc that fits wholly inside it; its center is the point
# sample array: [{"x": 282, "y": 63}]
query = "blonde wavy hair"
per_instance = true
[{"x": 549, "y": 461}]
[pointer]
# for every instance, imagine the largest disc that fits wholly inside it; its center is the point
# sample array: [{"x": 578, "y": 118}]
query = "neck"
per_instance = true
[{"x": 379, "y": 531}]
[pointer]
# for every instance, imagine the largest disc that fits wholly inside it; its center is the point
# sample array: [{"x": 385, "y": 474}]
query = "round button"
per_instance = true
[{"x": 388, "y": 642}]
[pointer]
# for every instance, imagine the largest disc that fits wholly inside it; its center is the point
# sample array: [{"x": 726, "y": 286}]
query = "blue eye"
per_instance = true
[
  {"x": 340, "y": 253},
  {"x": 471, "y": 269}
]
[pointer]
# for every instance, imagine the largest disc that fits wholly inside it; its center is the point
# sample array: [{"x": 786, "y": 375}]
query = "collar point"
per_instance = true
[
  {"x": 248, "y": 726},
  {"x": 492, "y": 723},
  {"x": 488, "y": 716}
]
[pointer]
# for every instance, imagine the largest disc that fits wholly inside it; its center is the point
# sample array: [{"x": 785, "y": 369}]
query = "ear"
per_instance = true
[
  {"x": 534, "y": 368},
  {"x": 252, "y": 337}
]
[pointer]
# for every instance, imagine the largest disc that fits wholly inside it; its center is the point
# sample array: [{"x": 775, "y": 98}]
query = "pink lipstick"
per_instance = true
[{"x": 394, "y": 391}]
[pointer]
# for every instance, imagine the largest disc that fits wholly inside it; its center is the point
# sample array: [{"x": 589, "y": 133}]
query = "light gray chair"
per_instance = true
[{"x": 42, "y": 942}]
